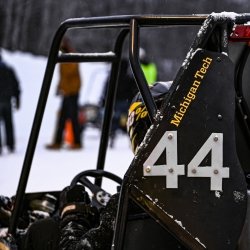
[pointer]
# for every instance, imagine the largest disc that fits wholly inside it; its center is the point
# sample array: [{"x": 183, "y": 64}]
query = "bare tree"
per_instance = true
[{"x": 29, "y": 25}]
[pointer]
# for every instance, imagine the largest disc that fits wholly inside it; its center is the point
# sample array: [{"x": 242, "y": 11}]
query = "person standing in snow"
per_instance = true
[
  {"x": 149, "y": 68},
  {"x": 9, "y": 91},
  {"x": 68, "y": 88},
  {"x": 126, "y": 90}
]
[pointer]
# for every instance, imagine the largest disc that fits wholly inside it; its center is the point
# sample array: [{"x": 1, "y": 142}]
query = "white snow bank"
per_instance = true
[{"x": 54, "y": 170}]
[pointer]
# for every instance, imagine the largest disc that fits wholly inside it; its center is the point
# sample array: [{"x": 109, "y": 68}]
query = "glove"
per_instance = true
[
  {"x": 100, "y": 238},
  {"x": 71, "y": 195},
  {"x": 75, "y": 205},
  {"x": 74, "y": 199}
]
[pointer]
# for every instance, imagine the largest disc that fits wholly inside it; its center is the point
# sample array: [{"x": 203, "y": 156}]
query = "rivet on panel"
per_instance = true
[
  {"x": 216, "y": 171},
  {"x": 216, "y": 138},
  {"x": 148, "y": 169},
  {"x": 219, "y": 117},
  {"x": 170, "y": 136},
  {"x": 171, "y": 170}
]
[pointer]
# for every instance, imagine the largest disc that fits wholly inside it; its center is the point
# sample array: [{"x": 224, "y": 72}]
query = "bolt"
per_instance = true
[
  {"x": 218, "y": 59},
  {"x": 219, "y": 116},
  {"x": 194, "y": 171},
  {"x": 148, "y": 169},
  {"x": 170, "y": 136},
  {"x": 216, "y": 171},
  {"x": 170, "y": 170},
  {"x": 216, "y": 138}
]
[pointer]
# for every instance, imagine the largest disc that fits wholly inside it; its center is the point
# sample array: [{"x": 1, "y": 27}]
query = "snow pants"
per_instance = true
[{"x": 6, "y": 119}]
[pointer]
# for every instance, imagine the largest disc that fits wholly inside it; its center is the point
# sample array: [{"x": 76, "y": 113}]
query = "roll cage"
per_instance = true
[{"x": 232, "y": 28}]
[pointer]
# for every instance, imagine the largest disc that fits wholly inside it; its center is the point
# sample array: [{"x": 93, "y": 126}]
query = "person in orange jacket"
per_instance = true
[{"x": 68, "y": 88}]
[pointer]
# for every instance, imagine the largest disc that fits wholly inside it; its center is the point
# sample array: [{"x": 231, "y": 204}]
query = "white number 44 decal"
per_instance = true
[{"x": 216, "y": 172}]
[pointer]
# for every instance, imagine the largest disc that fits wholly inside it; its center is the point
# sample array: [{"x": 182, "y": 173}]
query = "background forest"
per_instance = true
[{"x": 29, "y": 25}]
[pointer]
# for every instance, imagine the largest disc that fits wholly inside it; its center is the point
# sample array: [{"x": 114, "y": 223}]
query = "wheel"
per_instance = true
[{"x": 100, "y": 197}]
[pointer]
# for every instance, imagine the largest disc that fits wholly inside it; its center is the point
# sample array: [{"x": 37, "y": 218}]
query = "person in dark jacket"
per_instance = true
[
  {"x": 9, "y": 91},
  {"x": 126, "y": 90}
]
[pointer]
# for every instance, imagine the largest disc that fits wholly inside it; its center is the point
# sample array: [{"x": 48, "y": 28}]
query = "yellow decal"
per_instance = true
[
  {"x": 134, "y": 106},
  {"x": 191, "y": 95}
]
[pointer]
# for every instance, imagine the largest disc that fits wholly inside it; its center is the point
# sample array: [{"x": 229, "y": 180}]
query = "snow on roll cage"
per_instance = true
[{"x": 234, "y": 27}]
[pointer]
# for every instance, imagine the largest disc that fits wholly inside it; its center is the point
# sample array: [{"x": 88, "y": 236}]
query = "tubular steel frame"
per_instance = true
[{"x": 129, "y": 25}]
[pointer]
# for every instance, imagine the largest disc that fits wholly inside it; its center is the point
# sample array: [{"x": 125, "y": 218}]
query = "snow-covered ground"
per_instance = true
[{"x": 53, "y": 170}]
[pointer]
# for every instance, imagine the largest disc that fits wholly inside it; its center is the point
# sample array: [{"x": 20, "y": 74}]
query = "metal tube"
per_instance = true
[
  {"x": 34, "y": 134},
  {"x": 100, "y": 22},
  {"x": 86, "y": 57},
  {"x": 139, "y": 76},
  {"x": 109, "y": 104}
]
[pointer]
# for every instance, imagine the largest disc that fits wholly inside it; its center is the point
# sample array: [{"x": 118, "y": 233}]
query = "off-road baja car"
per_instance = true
[{"x": 188, "y": 179}]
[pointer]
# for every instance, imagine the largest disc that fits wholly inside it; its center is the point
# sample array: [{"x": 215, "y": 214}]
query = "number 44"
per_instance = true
[{"x": 216, "y": 172}]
